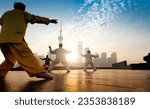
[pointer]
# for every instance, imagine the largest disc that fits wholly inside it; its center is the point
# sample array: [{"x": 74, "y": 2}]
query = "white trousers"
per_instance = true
[
  {"x": 57, "y": 61},
  {"x": 89, "y": 63}
]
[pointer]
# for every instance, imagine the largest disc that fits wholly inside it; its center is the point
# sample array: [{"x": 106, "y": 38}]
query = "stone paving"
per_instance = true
[{"x": 102, "y": 80}]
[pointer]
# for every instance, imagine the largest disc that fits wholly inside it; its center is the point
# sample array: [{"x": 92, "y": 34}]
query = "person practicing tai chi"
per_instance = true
[
  {"x": 47, "y": 62},
  {"x": 88, "y": 60},
  {"x": 13, "y": 44},
  {"x": 60, "y": 57}
]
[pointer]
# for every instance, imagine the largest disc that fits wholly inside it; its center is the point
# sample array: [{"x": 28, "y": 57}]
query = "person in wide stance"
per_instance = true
[
  {"x": 13, "y": 44},
  {"x": 47, "y": 62},
  {"x": 60, "y": 57},
  {"x": 88, "y": 60}
]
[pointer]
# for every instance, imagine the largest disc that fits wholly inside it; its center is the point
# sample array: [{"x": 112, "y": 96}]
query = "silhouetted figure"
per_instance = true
[
  {"x": 13, "y": 44},
  {"x": 60, "y": 57},
  {"x": 88, "y": 60},
  {"x": 147, "y": 58},
  {"x": 47, "y": 62}
]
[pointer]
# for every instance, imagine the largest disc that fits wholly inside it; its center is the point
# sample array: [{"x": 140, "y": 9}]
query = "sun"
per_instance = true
[{"x": 72, "y": 57}]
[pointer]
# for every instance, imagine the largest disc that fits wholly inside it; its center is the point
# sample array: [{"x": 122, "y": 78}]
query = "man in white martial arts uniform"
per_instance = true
[
  {"x": 88, "y": 60},
  {"x": 60, "y": 57}
]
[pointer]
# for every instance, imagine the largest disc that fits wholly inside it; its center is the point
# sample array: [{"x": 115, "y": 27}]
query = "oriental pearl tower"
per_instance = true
[{"x": 60, "y": 38}]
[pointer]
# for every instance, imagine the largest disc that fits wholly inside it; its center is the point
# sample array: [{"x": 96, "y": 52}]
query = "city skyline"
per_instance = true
[
  {"x": 103, "y": 59},
  {"x": 102, "y": 25}
]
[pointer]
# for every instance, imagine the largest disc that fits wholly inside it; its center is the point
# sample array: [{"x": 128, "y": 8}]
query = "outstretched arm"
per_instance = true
[
  {"x": 50, "y": 59},
  {"x": 50, "y": 50},
  {"x": 41, "y": 58},
  {"x": 30, "y": 18},
  {"x": 82, "y": 55},
  {"x": 68, "y": 52},
  {"x": 95, "y": 56}
]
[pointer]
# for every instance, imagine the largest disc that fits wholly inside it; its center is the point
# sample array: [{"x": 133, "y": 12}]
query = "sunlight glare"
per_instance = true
[{"x": 72, "y": 57}]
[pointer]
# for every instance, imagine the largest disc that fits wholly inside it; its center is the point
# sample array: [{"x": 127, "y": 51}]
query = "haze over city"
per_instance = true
[
  {"x": 78, "y": 46},
  {"x": 121, "y": 26}
]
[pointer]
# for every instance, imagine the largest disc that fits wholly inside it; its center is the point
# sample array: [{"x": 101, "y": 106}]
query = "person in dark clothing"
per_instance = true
[{"x": 47, "y": 62}]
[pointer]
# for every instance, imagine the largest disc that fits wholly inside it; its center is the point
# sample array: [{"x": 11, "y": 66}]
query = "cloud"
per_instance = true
[
  {"x": 112, "y": 24},
  {"x": 101, "y": 10},
  {"x": 95, "y": 14}
]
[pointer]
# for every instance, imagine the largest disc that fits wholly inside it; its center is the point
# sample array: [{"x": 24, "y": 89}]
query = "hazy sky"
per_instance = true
[{"x": 121, "y": 26}]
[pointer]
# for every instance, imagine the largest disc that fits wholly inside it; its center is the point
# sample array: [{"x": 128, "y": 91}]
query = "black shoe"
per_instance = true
[
  {"x": 2, "y": 77},
  {"x": 68, "y": 71},
  {"x": 44, "y": 75},
  {"x": 85, "y": 70}
]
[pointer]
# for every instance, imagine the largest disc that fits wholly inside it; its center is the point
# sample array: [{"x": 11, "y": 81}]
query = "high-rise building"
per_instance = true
[
  {"x": 109, "y": 62},
  {"x": 114, "y": 57},
  {"x": 104, "y": 59},
  {"x": 80, "y": 47}
]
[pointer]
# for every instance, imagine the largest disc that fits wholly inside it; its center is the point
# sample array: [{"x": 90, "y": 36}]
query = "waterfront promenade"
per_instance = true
[{"x": 102, "y": 80}]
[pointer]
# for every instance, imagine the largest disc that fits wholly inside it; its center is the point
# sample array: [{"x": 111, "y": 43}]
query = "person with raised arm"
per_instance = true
[
  {"x": 88, "y": 60},
  {"x": 13, "y": 44},
  {"x": 47, "y": 62},
  {"x": 60, "y": 57}
]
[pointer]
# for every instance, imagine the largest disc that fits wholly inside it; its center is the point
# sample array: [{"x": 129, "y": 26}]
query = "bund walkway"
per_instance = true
[{"x": 102, "y": 80}]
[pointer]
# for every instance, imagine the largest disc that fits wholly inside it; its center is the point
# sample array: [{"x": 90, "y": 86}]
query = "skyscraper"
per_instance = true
[
  {"x": 104, "y": 59},
  {"x": 80, "y": 47},
  {"x": 109, "y": 61},
  {"x": 114, "y": 57}
]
